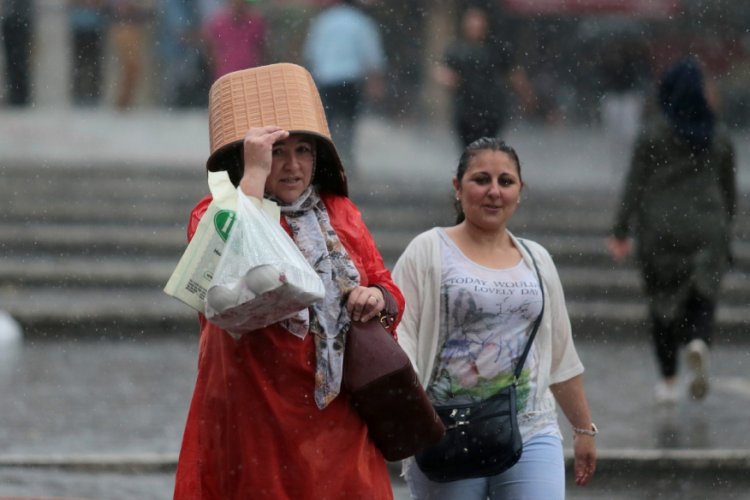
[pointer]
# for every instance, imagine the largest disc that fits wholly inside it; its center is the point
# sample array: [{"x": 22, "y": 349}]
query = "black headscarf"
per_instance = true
[{"x": 683, "y": 100}]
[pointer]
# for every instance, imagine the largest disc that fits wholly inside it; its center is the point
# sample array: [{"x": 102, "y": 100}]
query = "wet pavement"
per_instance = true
[
  {"x": 130, "y": 397},
  {"x": 102, "y": 418}
]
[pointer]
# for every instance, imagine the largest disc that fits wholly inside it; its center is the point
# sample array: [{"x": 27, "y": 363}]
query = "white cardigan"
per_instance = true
[{"x": 418, "y": 274}]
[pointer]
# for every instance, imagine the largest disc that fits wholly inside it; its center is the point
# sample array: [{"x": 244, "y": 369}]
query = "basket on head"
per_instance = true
[{"x": 281, "y": 94}]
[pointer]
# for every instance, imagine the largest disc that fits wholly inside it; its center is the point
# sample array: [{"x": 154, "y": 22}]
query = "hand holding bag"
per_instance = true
[
  {"x": 384, "y": 389},
  {"x": 482, "y": 439}
]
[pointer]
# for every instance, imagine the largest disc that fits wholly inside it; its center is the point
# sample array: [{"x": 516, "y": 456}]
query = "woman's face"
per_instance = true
[
  {"x": 292, "y": 162},
  {"x": 489, "y": 190}
]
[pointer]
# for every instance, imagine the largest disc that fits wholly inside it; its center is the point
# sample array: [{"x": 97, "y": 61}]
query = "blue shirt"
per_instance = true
[
  {"x": 87, "y": 18},
  {"x": 343, "y": 44}
]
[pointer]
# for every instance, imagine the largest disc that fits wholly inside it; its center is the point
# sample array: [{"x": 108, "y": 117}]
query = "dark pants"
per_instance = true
[
  {"x": 17, "y": 46},
  {"x": 342, "y": 103},
  {"x": 87, "y": 65},
  {"x": 697, "y": 322}
]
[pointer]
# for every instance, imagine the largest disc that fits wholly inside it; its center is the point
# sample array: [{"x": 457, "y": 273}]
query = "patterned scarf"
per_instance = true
[{"x": 328, "y": 319}]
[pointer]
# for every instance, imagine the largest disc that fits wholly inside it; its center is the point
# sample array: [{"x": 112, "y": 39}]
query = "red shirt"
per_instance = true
[
  {"x": 253, "y": 429},
  {"x": 238, "y": 42}
]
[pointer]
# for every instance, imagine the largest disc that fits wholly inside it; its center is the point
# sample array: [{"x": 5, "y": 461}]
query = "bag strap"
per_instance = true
[
  {"x": 537, "y": 322},
  {"x": 390, "y": 311}
]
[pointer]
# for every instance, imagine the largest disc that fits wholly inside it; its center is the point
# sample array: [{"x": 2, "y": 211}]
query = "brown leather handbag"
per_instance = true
[{"x": 384, "y": 389}]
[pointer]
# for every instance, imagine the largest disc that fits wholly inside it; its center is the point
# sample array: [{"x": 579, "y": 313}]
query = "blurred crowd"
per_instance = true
[
  {"x": 191, "y": 42},
  {"x": 555, "y": 68}
]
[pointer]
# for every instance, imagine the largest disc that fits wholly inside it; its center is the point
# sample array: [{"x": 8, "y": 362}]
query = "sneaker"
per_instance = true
[
  {"x": 697, "y": 361},
  {"x": 666, "y": 393}
]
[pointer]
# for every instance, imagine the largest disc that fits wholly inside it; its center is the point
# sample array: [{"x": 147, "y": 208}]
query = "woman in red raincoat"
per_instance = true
[{"x": 267, "y": 419}]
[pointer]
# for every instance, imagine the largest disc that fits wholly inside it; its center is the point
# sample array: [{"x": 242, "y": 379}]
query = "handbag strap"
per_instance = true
[
  {"x": 537, "y": 322},
  {"x": 390, "y": 310}
]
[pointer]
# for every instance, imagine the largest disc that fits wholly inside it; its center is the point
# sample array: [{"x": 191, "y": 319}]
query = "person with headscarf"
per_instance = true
[
  {"x": 679, "y": 203},
  {"x": 269, "y": 417}
]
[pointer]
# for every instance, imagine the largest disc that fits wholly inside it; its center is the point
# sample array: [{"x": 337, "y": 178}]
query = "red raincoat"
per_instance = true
[{"x": 253, "y": 429}]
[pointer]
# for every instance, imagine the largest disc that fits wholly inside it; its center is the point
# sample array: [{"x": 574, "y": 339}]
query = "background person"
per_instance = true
[
  {"x": 266, "y": 417},
  {"x": 17, "y": 28},
  {"x": 128, "y": 33},
  {"x": 88, "y": 32},
  {"x": 679, "y": 201},
  {"x": 480, "y": 74},
  {"x": 344, "y": 52},
  {"x": 472, "y": 296},
  {"x": 184, "y": 72},
  {"x": 236, "y": 35}
]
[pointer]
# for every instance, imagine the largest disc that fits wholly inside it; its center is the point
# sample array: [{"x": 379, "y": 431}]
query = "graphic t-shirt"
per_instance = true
[{"x": 487, "y": 316}]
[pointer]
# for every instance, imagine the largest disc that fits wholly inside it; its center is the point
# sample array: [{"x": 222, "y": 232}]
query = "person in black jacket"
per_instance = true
[
  {"x": 679, "y": 202},
  {"x": 17, "y": 31},
  {"x": 481, "y": 75}
]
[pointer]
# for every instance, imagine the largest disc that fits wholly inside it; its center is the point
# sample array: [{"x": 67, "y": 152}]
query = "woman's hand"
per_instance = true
[
  {"x": 257, "y": 159},
  {"x": 571, "y": 398},
  {"x": 584, "y": 450},
  {"x": 365, "y": 303},
  {"x": 618, "y": 248}
]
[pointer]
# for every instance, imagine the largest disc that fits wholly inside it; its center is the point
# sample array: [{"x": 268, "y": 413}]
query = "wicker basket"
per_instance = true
[{"x": 281, "y": 94}]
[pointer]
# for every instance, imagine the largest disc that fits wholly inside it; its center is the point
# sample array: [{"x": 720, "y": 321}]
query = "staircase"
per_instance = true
[{"x": 87, "y": 250}]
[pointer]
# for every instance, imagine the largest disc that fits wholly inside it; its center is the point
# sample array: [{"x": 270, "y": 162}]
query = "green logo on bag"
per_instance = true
[{"x": 223, "y": 221}]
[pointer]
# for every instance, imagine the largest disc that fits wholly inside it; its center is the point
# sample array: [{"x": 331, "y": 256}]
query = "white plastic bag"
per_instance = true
[{"x": 261, "y": 277}]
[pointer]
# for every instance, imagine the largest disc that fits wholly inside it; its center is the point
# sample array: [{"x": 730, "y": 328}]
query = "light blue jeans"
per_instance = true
[{"x": 540, "y": 473}]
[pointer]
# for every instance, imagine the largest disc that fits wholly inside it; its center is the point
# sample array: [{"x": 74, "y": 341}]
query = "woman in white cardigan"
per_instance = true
[{"x": 472, "y": 296}]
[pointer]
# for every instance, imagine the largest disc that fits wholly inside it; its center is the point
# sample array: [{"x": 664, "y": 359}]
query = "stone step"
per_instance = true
[
  {"x": 154, "y": 213},
  {"x": 606, "y": 320},
  {"x": 125, "y": 212},
  {"x": 46, "y": 312},
  {"x": 129, "y": 194},
  {"x": 591, "y": 251},
  {"x": 90, "y": 249},
  {"x": 97, "y": 240},
  {"x": 575, "y": 222},
  {"x": 624, "y": 283},
  {"x": 392, "y": 232},
  {"x": 49, "y": 312},
  {"x": 93, "y": 239},
  {"x": 81, "y": 272},
  {"x": 581, "y": 283},
  {"x": 157, "y": 212},
  {"x": 565, "y": 249}
]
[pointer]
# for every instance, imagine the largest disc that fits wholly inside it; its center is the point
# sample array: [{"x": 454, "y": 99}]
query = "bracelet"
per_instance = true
[{"x": 589, "y": 432}]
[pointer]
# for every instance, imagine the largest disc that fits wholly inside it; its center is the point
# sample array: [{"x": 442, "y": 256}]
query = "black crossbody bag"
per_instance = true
[{"x": 482, "y": 439}]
